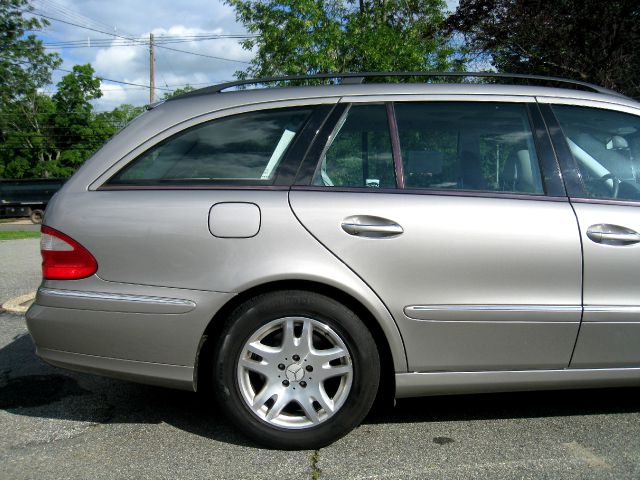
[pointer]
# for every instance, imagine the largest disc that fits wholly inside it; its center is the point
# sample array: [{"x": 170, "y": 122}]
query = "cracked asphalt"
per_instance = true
[{"x": 60, "y": 424}]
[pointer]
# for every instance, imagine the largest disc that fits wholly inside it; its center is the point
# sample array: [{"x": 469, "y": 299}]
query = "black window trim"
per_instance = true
[
  {"x": 311, "y": 160},
  {"x": 570, "y": 172},
  {"x": 550, "y": 171}
]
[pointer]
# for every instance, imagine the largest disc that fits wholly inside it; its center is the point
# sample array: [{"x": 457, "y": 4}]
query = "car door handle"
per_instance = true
[
  {"x": 612, "y": 235},
  {"x": 370, "y": 226}
]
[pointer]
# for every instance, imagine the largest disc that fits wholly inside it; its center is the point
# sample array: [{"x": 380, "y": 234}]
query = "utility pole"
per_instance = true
[{"x": 152, "y": 73}]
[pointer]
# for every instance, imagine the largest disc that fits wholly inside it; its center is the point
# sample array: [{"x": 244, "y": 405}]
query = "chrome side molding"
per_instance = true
[
  {"x": 525, "y": 313},
  {"x": 420, "y": 384},
  {"x": 114, "y": 301}
]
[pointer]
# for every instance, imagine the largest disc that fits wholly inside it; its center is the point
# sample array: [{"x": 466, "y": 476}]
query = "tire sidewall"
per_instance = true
[{"x": 251, "y": 316}]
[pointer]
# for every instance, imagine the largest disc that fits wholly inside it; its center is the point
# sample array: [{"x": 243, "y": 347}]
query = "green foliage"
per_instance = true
[
  {"x": 177, "y": 92},
  {"x": 589, "y": 40},
  {"x": 52, "y": 136},
  {"x": 314, "y": 36},
  {"x": 24, "y": 64},
  {"x": 24, "y": 67},
  {"x": 27, "y": 137},
  {"x": 41, "y": 135},
  {"x": 116, "y": 119},
  {"x": 74, "y": 123}
]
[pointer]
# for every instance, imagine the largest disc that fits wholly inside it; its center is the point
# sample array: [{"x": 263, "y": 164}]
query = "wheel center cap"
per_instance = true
[{"x": 294, "y": 372}]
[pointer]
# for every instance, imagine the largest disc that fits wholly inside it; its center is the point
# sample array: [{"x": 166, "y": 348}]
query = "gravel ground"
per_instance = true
[
  {"x": 59, "y": 424},
  {"x": 19, "y": 267}
]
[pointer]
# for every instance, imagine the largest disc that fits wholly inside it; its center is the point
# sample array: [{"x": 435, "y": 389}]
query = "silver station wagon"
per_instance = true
[{"x": 302, "y": 249}]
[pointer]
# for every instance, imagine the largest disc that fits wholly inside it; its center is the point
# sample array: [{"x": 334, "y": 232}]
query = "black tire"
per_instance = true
[
  {"x": 248, "y": 319},
  {"x": 36, "y": 216}
]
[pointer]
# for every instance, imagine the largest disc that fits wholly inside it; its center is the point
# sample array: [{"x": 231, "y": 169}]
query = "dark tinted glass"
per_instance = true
[
  {"x": 606, "y": 148},
  {"x": 359, "y": 153},
  {"x": 245, "y": 148},
  {"x": 468, "y": 146}
]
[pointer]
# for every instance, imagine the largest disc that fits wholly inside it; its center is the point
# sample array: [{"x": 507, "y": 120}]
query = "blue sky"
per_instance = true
[{"x": 136, "y": 19}]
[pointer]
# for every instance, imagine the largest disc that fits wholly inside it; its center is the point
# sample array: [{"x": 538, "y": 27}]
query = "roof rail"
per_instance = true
[{"x": 359, "y": 77}]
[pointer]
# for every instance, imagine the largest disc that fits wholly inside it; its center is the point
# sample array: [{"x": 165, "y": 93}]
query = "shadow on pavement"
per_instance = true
[
  {"x": 29, "y": 387},
  {"x": 555, "y": 403}
]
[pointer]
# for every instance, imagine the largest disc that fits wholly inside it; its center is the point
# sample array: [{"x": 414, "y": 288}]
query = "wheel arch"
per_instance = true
[{"x": 388, "y": 362}]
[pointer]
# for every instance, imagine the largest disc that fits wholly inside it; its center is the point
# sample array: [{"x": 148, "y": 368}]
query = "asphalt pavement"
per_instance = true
[{"x": 61, "y": 424}]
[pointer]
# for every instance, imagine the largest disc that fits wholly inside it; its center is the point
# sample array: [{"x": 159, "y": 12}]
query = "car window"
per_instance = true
[
  {"x": 606, "y": 148},
  {"x": 359, "y": 151},
  {"x": 245, "y": 148},
  {"x": 468, "y": 146}
]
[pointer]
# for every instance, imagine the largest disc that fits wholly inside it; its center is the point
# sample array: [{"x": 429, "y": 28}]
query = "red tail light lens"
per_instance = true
[{"x": 63, "y": 258}]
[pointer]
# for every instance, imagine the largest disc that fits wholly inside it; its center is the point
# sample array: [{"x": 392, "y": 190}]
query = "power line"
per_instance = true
[
  {"x": 83, "y": 20},
  {"x": 95, "y": 76},
  {"x": 71, "y": 14},
  {"x": 141, "y": 42},
  {"x": 119, "y": 81},
  {"x": 107, "y": 42}
]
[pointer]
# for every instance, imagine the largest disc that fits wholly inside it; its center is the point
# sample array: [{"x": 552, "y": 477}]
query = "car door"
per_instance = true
[
  {"x": 453, "y": 211},
  {"x": 599, "y": 145}
]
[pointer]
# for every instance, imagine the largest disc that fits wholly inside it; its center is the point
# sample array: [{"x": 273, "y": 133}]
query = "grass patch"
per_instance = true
[
  {"x": 314, "y": 458},
  {"x": 17, "y": 235}
]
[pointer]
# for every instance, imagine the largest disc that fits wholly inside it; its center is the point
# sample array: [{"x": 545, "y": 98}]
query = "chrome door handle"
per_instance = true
[
  {"x": 358, "y": 228},
  {"x": 612, "y": 235},
  {"x": 370, "y": 226}
]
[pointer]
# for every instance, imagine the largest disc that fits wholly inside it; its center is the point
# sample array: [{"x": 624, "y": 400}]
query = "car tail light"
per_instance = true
[{"x": 63, "y": 258}]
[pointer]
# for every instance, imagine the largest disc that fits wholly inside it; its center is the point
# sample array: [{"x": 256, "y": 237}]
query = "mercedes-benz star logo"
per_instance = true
[{"x": 295, "y": 372}]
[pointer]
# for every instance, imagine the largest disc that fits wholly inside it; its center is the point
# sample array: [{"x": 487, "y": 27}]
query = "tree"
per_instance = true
[
  {"x": 51, "y": 136},
  {"x": 24, "y": 64},
  {"x": 42, "y": 135},
  {"x": 178, "y": 91},
  {"x": 73, "y": 123},
  {"x": 24, "y": 67},
  {"x": 314, "y": 36},
  {"x": 28, "y": 148},
  {"x": 588, "y": 40},
  {"x": 119, "y": 117}
]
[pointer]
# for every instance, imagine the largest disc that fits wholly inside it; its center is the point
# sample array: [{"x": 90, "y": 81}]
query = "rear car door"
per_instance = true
[
  {"x": 599, "y": 145},
  {"x": 453, "y": 211}
]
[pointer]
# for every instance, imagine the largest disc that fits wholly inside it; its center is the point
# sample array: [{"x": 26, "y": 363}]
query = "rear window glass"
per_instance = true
[{"x": 241, "y": 149}]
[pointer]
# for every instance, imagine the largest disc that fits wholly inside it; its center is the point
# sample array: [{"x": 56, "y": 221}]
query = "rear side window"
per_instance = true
[
  {"x": 241, "y": 149},
  {"x": 482, "y": 146},
  {"x": 606, "y": 148},
  {"x": 359, "y": 151}
]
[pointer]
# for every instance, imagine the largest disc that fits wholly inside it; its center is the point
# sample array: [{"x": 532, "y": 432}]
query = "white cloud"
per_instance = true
[
  {"x": 136, "y": 19},
  {"x": 113, "y": 94}
]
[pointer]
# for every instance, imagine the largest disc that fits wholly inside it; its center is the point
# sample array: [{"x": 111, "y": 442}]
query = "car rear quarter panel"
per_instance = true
[{"x": 159, "y": 241}]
